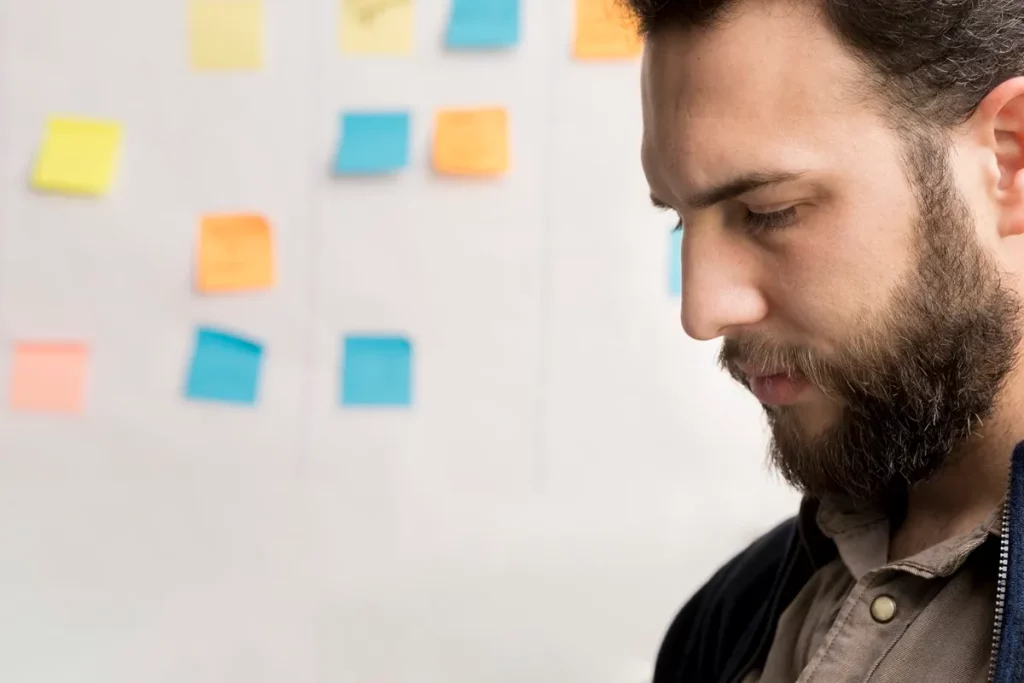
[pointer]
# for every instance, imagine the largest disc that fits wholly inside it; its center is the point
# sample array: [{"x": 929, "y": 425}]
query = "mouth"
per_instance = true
[{"x": 774, "y": 388}]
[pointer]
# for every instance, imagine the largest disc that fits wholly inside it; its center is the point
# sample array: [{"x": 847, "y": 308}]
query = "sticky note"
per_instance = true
[
  {"x": 605, "y": 30},
  {"x": 235, "y": 253},
  {"x": 483, "y": 24},
  {"x": 226, "y": 34},
  {"x": 376, "y": 26},
  {"x": 372, "y": 143},
  {"x": 471, "y": 142},
  {"x": 78, "y": 156},
  {"x": 376, "y": 371},
  {"x": 224, "y": 368},
  {"x": 675, "y": 262},
  {"x": 48, "y": 377}
]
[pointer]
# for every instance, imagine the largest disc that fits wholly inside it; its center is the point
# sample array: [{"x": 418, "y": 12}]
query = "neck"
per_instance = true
[{"x": 966, "y": 492}]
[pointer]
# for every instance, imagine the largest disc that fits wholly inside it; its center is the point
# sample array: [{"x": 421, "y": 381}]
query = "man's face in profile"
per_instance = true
[{"x": 839, "y": 260}]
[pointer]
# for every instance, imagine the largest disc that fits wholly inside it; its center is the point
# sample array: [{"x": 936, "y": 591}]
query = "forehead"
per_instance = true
[{"x": 767, "y": 86}]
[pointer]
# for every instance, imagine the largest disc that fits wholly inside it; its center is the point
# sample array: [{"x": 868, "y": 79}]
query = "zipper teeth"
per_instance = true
[{"x": 1004, "y": 564}]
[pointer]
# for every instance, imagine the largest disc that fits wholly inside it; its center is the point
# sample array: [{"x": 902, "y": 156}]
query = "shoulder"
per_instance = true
[{"x": 729, "y": 611}]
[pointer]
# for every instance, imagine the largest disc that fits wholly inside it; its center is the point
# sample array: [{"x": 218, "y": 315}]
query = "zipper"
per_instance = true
[{"x": 1004, "y": 567}]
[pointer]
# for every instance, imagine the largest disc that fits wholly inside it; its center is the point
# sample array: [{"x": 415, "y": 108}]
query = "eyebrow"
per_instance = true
[{"x": 732, "y": 189}]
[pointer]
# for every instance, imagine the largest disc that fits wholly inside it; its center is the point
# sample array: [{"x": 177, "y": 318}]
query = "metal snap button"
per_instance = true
[{"x": 883, "y": 609}]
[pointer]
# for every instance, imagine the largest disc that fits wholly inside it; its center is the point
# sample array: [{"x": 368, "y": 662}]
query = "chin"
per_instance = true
[{"x": 810, "y": 419}]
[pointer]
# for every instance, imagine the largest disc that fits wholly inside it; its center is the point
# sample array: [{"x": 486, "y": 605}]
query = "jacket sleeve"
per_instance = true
[{"x": 725, "y": 624}]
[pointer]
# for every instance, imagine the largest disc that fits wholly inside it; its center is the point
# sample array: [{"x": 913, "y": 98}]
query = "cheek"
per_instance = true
[{"x": 838, "y": 274}]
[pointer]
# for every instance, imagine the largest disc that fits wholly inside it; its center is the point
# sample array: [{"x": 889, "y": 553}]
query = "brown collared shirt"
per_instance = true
[{"x": 861, "y": 619}]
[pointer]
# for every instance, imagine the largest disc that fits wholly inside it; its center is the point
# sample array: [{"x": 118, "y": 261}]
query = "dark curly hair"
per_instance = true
[{"x": 932, "y": 61}]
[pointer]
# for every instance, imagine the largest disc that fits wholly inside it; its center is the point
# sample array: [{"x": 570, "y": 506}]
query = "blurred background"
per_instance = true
[{"x": 341, "y": 344}]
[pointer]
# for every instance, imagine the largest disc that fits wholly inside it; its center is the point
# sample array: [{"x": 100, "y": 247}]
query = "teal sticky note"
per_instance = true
[
  {"x": 675, "y": 264},
  {"x": 224, "y": 367},
  {"x": 376, "y": 371},
  {"x": 483, "y": 24},
  {"x": 373, "y": 143}
]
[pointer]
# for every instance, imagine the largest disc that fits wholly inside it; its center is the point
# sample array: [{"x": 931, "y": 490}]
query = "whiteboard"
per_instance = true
[{"x": 573, "y": 466}]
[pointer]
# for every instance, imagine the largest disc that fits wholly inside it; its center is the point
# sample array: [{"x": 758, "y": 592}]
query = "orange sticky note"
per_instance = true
[
  {"x": 48, "y": 377},
  {"x": 235, "y": 253},
  {"x": 471, "y": 142},
  {"x": 605, "y": 30}
]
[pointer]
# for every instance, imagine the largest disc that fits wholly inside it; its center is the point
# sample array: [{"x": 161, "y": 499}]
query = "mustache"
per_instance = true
[{"x": 761, "y": 352}]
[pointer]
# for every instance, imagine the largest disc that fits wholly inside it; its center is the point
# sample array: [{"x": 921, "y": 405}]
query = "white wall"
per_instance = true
[{"x": 573, "y": 466}]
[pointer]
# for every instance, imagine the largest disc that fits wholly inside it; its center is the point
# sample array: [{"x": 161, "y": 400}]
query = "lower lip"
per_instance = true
[{"x": 777, "y": 390}]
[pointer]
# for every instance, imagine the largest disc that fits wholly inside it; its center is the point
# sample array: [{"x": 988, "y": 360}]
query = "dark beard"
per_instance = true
[{"x": 923, "y": 380}]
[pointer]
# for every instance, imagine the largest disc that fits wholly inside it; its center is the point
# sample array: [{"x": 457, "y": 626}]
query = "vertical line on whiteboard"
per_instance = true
[
  {"x": 541, "y": 462},
  {"x": 313, "y": 104}
]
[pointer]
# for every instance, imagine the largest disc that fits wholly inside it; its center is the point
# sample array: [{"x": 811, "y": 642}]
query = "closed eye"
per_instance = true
[{"x": 769, "y": 222}]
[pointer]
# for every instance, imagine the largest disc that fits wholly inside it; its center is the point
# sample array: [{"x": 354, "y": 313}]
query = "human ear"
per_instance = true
[{"x": 1002, "y": 116}]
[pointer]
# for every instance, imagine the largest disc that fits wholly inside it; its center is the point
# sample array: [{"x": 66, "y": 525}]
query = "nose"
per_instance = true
[{"x": 720, "y": 283}]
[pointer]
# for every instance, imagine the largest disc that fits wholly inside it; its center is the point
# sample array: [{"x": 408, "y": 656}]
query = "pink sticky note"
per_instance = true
[{"x": 48, "y": 377}]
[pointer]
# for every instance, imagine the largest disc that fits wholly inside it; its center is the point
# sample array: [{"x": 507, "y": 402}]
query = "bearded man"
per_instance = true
[{"x": 850, "y": 175}]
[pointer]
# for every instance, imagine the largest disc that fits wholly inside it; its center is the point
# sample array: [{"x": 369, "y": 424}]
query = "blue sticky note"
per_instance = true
[
  {"x": 483, "y": 24},
  {"x": 675, "y": 265},
  {"x": 376, "y": 371},
  {"x": 373, "y": 143},
  {"x": 224, "y": 368}
]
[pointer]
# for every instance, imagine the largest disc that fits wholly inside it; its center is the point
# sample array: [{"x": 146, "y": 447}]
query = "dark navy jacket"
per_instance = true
[{"x": 726, "y": 629}]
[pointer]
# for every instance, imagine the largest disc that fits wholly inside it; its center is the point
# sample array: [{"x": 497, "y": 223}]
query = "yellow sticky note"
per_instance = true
[
  {"x": 78, "y": 156},
  {"x": 471, "y": 142},
  {"x": 236, "y": 253},
  {"x": 48, "y": 377},
  {"x": 376, "y": 26},
  {"x": 605, "y": 30},
  {"x": 226, "y": 34}
]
